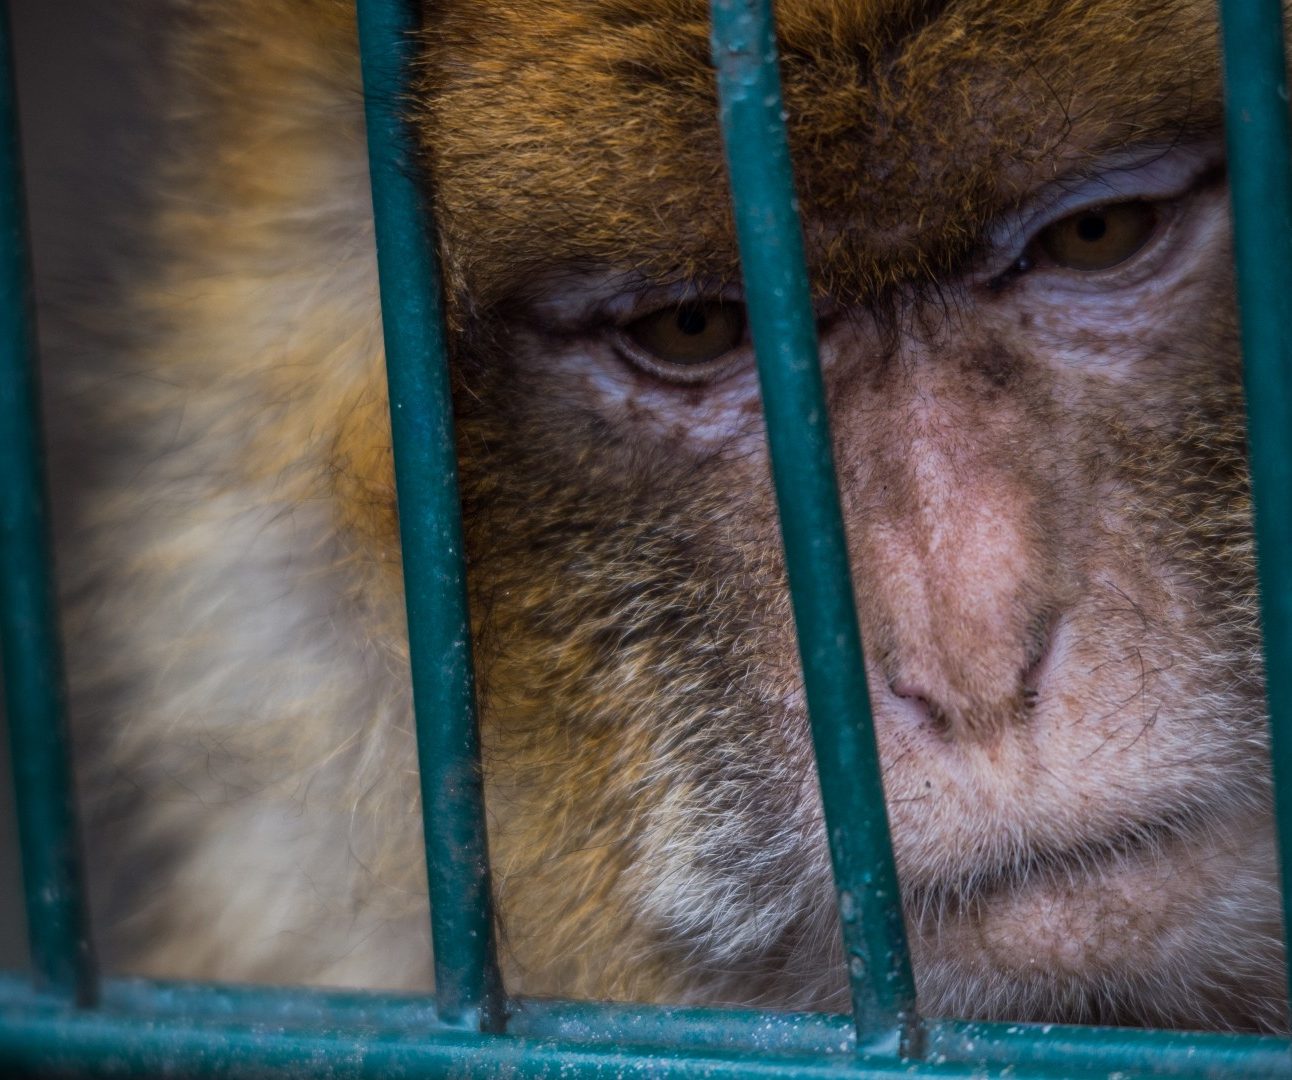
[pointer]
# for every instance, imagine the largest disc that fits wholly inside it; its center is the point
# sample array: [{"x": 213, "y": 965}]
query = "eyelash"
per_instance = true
[
  {"x": 1171, "y": 208},
  {"x": 682, "y": 375},
  {"x": 1032, "y": 260}
]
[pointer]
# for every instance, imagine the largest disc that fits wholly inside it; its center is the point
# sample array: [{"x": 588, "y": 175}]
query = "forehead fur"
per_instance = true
[{"x": 584, "y": 132}]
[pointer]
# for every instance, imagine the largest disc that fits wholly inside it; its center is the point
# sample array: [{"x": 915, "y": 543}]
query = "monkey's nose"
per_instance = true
[{"x": 977, "y": 701}]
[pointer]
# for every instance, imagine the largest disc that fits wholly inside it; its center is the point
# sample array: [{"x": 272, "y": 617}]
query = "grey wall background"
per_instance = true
[{"x": 87, "y": 126}]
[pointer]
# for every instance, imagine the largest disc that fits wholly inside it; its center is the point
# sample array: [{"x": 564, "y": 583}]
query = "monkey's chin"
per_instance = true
[{"x": 1174, "y": 930}]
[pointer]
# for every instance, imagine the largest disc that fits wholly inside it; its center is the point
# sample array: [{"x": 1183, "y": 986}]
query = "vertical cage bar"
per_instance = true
[
  {"x": 1260, "y": 182},
  {"x": 35, "y": 697},
  {"x": 467, "y": 984},
  {"x": 783, "y": 325}
]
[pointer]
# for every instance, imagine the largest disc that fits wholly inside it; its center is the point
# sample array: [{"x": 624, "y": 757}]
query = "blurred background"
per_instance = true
[{"x": 86, "y": 126}]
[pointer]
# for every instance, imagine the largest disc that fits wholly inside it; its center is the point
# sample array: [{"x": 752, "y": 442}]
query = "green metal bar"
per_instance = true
[
  {"x": 35, "y": 698},
  {"x": 784, "y": 332},
  {"x": 1260, "y": 184},
  {"x": 1123, "y": 1052},
  {"x": 581, "y": 1022},
  {"x": 181, "y": 1028},
  {"x": 467, "y": 983},
  {"x": 105, "y": 1046}
]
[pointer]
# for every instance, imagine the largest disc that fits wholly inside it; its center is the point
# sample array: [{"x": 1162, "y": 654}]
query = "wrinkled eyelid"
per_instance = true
[
  {"x": 1165, "y": 174},
  {"x": 617, "y": 299}
]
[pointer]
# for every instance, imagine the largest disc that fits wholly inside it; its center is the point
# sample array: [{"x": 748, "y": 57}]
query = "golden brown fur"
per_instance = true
[{"x": 1026, "y": 492}]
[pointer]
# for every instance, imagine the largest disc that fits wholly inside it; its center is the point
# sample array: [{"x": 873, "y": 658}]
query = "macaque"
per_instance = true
[{"x": 1017, "y": 233}]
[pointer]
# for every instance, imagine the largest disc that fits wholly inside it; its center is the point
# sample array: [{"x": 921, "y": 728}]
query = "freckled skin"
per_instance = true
[{"x": 1042, "y": 475}]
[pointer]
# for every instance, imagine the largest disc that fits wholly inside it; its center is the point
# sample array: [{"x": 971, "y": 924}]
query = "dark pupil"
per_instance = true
[
  {"x": 1091, "y": 227},
  {"x": 691, "y": 320}
]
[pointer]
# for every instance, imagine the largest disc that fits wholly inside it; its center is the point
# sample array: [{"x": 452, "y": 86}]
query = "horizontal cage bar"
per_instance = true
[{"x": 177, "y": 1029}]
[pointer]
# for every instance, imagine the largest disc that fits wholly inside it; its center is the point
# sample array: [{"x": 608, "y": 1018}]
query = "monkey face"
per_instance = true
[{"x": 1017, "y": 233}]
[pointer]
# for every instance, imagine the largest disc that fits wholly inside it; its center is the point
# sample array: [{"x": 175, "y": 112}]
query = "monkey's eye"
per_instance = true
[
  {"x": 1099, "y": 237},
  {"x": 688, "y": 342}
]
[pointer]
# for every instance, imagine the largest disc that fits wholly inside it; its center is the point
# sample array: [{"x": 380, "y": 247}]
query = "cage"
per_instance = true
[{"x": 65, "y": 1019}]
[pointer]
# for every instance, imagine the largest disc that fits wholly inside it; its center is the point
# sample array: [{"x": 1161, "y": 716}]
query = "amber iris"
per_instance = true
[
  {"x": 1099, "y": 237},
  {"x": 694, "y": 333}
]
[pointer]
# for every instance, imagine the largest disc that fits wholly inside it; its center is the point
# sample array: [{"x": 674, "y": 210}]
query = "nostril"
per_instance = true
[
  {"x": 1039, "y": 659},
  {"x": 908, "y": 690},
  {"x": 919, "y": 704},
  {"x": 920, "y": 699}
]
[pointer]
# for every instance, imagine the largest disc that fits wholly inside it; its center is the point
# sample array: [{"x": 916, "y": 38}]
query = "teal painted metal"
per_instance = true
[
  {"x": 1260, "y": 184},
  {"x": 783, "y": 325},
  {"x": 1112, "y": 1052},
  {"x": 33, "y": 670},
  {"x": 468, "y": 986},
  {"x": 203, "y": 1030},
  {"x": 107, "y": 1046}
]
